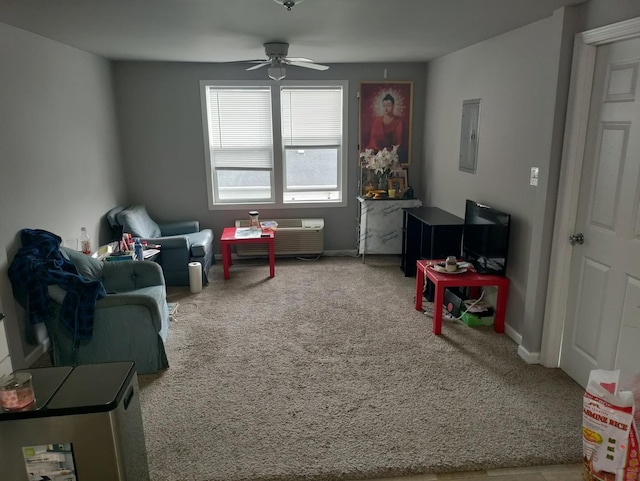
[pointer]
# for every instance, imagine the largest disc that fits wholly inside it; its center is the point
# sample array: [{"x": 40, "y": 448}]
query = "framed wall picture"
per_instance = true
[
  {"x": 402, "y": 174},
  {"x": 398, "y": 185},
  {"x": 386, "y": 116}
]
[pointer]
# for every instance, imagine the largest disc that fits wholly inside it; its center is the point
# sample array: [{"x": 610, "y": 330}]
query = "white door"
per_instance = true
[{"x": 602, "y": 328}]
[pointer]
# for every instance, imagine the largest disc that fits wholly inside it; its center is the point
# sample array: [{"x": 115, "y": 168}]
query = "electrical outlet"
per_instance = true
[{"x": 534, "y": 176}]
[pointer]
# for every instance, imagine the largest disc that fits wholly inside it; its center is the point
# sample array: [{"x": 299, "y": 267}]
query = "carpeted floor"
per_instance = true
[{"x": 326, "y": 372}]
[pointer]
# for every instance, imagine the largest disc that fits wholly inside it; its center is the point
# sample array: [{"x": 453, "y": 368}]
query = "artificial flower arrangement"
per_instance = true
[
  {"x": 381, "y": 165},
  {"x": 382, "y": 162}
]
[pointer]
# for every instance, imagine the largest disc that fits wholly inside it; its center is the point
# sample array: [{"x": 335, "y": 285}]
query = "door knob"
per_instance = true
[{"x": 576, "y": 239}]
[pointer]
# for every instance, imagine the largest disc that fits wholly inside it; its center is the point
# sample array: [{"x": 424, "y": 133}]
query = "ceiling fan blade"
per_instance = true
[
  {"x": 263, "y": 64},
  {"x": 299, "y": 59},
  {"x": 315, "y": 66}
]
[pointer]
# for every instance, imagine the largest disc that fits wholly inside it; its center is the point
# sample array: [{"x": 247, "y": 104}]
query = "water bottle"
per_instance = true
[
  {"x": 137, "y": 249},
  {"x": 85, "y": 241}
]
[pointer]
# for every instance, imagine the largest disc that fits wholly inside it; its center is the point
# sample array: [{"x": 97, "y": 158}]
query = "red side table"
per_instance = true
[
  {"x": 228, "y": 238},
  {"x": 467, "y": 279}
]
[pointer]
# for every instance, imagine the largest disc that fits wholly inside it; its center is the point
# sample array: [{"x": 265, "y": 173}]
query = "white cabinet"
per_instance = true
[{"x": 380, "y": 226}]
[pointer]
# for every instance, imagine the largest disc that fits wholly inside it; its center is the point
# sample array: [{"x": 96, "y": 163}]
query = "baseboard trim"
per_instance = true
[
  {"x": 529, "y": 357},
  {"x": 341, "y": 253},
  {"x": 512, "y": 334},
  {"x": 330, "y": 253}
]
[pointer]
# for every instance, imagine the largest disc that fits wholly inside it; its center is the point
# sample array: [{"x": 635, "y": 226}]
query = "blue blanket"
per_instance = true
[{"x": 39, "y": 264}]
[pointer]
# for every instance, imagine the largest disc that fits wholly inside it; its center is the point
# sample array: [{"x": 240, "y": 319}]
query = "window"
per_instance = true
[
  {"x": 275, "y": 144},
  {"x": 240, "y": 143}
]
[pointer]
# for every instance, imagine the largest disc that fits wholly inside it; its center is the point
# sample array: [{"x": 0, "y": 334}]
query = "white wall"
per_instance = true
[
  {"x": 59, "y": 155},
  {"x": 516, "y": 76}
]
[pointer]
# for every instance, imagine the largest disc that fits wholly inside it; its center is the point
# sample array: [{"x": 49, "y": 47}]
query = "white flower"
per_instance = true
[{"x": 384, "y": 161}]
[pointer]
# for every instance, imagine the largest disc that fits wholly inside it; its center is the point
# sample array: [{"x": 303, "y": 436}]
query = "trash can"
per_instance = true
[{"x": 86, "y": 424}]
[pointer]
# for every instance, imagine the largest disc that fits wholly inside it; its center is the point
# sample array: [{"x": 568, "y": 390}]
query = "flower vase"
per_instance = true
[{"x": 382, "y": 181}]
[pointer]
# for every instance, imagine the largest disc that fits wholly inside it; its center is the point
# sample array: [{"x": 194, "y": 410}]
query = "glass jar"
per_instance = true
[
  {"x": 16, "y": 392},
  {"x": 254, "y": 222}
]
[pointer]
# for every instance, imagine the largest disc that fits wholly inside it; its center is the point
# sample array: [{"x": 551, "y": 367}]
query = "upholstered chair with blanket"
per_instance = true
[
  {"x": 181, "y": 242},
  {"x": 130, "y": 324}
]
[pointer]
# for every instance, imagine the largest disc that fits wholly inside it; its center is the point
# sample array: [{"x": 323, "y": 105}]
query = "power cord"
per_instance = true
[
  {"x": 459, "y": 318},
  {"x": 309, "y": 258}
]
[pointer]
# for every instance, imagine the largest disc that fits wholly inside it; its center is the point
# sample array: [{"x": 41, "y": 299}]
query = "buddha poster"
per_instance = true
[{"x": 385, "y": 117}]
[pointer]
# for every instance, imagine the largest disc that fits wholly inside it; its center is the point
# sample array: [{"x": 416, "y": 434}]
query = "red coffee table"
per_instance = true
[
  {"x": 469, "y": 278},
  {"x": 228, "y": 238}
]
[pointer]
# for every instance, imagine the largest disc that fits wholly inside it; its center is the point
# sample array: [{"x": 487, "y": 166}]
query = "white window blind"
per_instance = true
[
  {"x": 311, "y": 116},
  {"x": 304, "y": 121},
  {"x": 240, "y": 132}
]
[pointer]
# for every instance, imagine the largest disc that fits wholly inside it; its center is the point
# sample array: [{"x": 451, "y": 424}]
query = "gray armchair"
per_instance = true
[
  {"x": 181, "y": 242},
  {"x": 130, "y": 324}
]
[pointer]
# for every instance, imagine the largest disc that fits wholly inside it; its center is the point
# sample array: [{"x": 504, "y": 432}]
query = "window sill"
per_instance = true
[{"x": 306, "y": 205}]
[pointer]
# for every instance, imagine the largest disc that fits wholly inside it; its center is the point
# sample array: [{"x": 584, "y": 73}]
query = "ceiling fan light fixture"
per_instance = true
[
  {"x": 277, "y": 60},
  {"x": 277, "y": 72},
  {"x": 288, "y": 4}
]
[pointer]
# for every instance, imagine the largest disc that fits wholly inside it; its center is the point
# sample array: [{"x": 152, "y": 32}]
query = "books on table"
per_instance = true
[{"x": 130, "y": 256}]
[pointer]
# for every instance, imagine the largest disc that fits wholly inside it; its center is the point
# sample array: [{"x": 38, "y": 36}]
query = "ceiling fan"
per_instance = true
[{"x": 276, "y": 53}]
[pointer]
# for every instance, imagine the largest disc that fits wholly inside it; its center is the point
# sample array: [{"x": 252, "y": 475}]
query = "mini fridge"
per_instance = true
[{"x": 86, "y": 425}]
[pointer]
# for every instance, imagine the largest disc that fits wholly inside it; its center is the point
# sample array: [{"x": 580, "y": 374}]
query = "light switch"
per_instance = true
[{"x": 534, "y": 176}]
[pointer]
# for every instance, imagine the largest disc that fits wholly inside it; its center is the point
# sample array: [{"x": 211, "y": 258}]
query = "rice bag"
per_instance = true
[{"x": 609, "y": 437}]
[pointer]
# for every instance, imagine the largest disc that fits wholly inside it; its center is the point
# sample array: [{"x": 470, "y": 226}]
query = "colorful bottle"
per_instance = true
[
  {"x": 137, "y": 249},
  {"x": 85, "y": 241}
]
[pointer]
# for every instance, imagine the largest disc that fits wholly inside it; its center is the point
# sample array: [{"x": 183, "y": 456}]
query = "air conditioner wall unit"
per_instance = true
[{"x": 293, "y": 237}]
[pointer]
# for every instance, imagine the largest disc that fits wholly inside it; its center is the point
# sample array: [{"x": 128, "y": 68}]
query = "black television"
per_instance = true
[{"x": 485, "y": 238}]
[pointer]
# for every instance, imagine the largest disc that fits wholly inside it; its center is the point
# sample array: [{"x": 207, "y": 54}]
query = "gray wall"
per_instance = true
[
  {"x": 516, "y": 76},
  {"x": 160, "y": 121},
  {"x": 522, "y": 78},
  {"x": 598, "y": 13},
  {"x": 59, "y": 160}
]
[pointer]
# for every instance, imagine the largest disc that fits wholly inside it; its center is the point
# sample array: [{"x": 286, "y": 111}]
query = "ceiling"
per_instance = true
[{"x": 231, "y": 30}]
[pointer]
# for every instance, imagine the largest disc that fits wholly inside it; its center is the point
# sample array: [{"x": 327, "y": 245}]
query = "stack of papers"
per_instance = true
[
  {"x": 477, "y": 307},
  {"x": 150, "y": 253},
  {"x": 120, "y": 257},
  {"x": 247, "y": 233}
]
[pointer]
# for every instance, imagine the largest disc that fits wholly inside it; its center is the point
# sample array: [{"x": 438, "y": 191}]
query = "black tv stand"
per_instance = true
[{"x": 429, "y": 233}]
